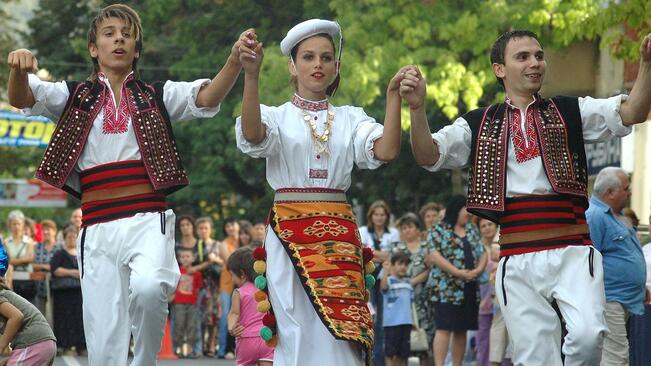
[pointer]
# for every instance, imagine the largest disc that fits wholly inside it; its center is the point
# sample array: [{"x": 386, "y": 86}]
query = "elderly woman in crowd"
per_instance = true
[
  {"x": 20, "y": 249},
  {"x": 66, "y": 295},
  {"x": 418, "y": 271},
  {"x": 458, "y": 259}
]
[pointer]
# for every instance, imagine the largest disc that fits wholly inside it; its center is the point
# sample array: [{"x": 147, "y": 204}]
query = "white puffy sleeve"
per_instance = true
[
  {"x": 600, "y": 118},
  {"x": 51, "y": 98},
  {"x": 270, "y": 145},
  {"x": 454, "y": 143},
  {"x": 180, "y": 98},
  {"x": 365, "y": 132}
]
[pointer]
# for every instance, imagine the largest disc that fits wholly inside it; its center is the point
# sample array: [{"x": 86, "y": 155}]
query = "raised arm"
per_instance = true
[
  {"x": 412, "y": 89},
  {"x": 636, "y": 108},
  {"x": 252, "y": 128},
  {"x": 214, "y": 92},
  {"x": 20, "y": 63},
  {"x": 387, "y": 147}
]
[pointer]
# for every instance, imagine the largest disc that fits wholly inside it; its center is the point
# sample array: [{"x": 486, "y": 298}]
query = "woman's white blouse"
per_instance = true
[{"x": 292, "y": 159}]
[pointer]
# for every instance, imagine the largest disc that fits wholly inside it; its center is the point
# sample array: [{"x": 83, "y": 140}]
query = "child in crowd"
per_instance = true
[
  {"x": 185, "y": 303},
  {"x": 23, "y": 326},
  {"x": 398, "y": 295},
  {"x": 244, "y": 319}
]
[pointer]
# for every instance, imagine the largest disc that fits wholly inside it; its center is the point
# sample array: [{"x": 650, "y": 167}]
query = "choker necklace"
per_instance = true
[{"x": 320, "y": 141}]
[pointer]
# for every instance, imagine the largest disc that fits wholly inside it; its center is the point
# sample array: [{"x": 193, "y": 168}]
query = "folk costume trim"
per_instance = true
[
  {"x": 542, "y": 212},
  {"x": 322, "y": 241},
  {"x": 524, "y": 141},
  {"x": 116, "y": 118},
  {"x": 560, "y": 143},
  {"x": 309, "y": 105},
  {"x": 150, "y": 122}
]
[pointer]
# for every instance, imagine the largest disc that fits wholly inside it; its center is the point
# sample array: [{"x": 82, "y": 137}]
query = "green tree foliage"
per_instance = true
[{"x": 449, "y": 40}]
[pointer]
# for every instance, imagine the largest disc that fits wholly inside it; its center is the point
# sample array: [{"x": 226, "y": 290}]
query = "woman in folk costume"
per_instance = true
[{"x": 315, "y": 266}]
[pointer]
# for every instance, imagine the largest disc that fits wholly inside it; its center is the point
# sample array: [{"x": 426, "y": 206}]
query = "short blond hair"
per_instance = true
[{"x": 123, "y": 12}]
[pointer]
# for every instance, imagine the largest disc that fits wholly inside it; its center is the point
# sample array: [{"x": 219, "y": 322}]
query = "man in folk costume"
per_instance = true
[
  {"x": 113, "y": 148},
  {"x": 316, "y": 274},
  {"x": 528, "y": 173}
]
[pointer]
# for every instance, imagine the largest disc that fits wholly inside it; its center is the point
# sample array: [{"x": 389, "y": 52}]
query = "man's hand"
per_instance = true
[
  {"x": 22, "y": 61},
  {"x": 413, "y": 88},
  {"x": 645, "y": 49}
]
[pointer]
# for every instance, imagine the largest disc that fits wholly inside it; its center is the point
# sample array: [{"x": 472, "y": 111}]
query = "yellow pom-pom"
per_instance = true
[
  {"x": 260, "y": 296},
  {"x": 369, "y": 267},
  {"x": 264, "y": 306},
  {"x": 259, "y": 267},
  {"x": 273, "y": 342}
]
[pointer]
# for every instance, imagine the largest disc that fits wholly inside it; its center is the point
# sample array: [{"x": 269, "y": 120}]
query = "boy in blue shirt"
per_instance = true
[{"x": 398, "y": 295}]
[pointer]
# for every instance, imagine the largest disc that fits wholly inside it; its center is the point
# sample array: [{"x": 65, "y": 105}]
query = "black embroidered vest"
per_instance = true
[
  {"x": 559, "y": 135},
  {"x": 150, "y": 122}
]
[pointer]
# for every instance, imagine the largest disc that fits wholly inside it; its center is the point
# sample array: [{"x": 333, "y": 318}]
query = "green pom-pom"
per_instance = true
[
  {"x": 266, "y": 333},
  {"x": 260, "y": 282},
  {"x": 370, "y": 280}
]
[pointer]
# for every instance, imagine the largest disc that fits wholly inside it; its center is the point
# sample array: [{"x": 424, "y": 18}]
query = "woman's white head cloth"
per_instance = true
[{"x": 311, "y": 28}]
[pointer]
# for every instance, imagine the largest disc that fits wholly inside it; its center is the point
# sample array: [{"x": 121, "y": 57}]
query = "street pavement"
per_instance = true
[{"x": 83, "y": 361}]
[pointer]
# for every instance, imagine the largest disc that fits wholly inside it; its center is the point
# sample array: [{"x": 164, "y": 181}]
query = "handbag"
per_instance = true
[{"x": 418, "y": 337}]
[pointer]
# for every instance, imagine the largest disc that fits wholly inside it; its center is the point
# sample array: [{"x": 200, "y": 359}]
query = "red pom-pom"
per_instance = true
[
  {"x": 259, "y": 254},
  {"x": 269, "y": 320},
  {"x": 367, "y": 253}
]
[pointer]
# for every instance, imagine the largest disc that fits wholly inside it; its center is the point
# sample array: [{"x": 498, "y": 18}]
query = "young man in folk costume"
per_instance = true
[
  {"x": 528, "y": 173},
  {"x": 113, "y": 148},
  {"x": 316, "y": 269}
]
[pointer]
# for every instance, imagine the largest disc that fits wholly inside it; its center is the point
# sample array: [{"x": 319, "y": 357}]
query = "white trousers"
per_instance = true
[
  {"x": 129, "y": 270},
  {"x": 530, "y": 282},
  {"x": 616, "y": 347},
  {"x": 302, "y": 337}
]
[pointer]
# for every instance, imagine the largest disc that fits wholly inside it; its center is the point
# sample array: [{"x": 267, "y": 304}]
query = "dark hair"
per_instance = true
[
  {"x": 332, "y": 88},
  {"x": 129, "y": 16},
  {"x": 241, "y": 262},
  {"x": 229, "y": 220},
  {"x": 409, "y": 218},
  {"x": 400, "y": 257},
  {"x": 499, "y": 47},
  {"x": 455, "y": 205},
  {"x": 179, "y": 250},
  {"x": 186, "y": 217}
]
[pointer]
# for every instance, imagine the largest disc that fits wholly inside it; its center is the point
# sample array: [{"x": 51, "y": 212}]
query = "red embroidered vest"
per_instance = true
[
  {"x": 559, "y": 136},
  {"x": 150, "y": 122}
]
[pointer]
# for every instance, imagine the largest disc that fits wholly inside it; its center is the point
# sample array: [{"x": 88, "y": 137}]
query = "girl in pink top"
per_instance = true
[{"x": 244, "y": 320}]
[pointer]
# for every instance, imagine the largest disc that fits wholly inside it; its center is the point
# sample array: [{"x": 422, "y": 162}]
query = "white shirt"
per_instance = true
[
  {"x": 179, "y": 99},
  {"x": 600, "y": 120},
  {"x": 290, "y": 151},
  {"x": 388, "y": 238}
]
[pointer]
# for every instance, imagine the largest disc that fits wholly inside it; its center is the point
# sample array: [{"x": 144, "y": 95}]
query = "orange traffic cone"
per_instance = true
[{"x": 166, "y": 350}]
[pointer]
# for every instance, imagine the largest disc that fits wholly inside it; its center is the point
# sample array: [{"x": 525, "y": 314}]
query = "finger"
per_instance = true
[
  {"x": 25, "y": 63},
  {"x": 245, "y": 49},
  {"x": 35, "y": 67}
]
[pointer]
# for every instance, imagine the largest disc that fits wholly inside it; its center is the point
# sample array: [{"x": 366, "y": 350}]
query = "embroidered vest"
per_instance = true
[
  {"x": 150, "y": 123},
  {"x": 559, "y": 134}
]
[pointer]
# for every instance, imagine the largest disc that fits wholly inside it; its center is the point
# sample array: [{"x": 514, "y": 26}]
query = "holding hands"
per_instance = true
[
  {"x": 413, "y": 87},
  {"x": 248, "y": 51}
]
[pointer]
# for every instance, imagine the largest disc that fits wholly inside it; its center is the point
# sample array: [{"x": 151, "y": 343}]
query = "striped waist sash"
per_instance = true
[
  {"x": 541, "y": 222},
  {"x": 117, "y": 176}
]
